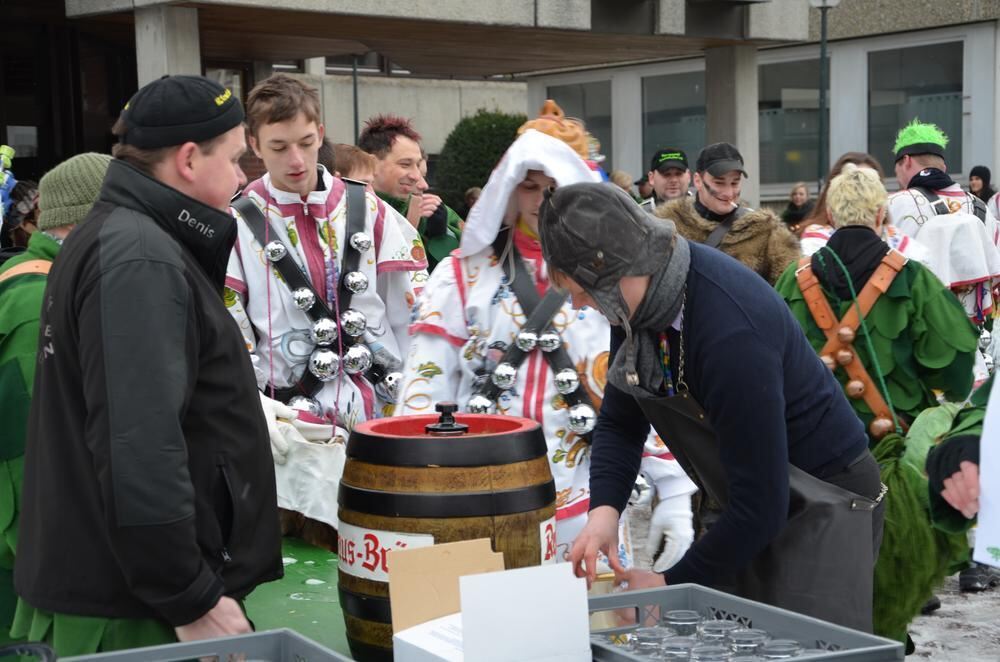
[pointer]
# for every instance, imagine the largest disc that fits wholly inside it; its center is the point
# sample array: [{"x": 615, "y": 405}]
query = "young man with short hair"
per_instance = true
[
  {"x": 714, "y": 216},
  {"x": 320, "y": 284},
  {"x": 147, "y": 454},
  {"x": 668, "y": 176},
  {"x": 396, "y": 145}
]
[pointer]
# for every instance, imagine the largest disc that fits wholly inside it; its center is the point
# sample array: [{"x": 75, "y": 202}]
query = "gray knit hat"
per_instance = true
[{"x": 67, "y": 192}]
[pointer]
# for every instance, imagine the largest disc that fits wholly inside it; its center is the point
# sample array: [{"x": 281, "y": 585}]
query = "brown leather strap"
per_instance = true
[
  {"x": 29, "y": 267},
  {"x": 826, "y": 320}
]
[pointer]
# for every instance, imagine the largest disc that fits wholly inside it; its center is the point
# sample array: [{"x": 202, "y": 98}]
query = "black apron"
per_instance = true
[{"x": 816, "y": 565}]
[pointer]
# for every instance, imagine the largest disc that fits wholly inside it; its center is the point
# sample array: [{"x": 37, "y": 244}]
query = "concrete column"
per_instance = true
[
  {"x": 626, "y": 126},
  {"x": 166, "y": 42},
  {"x": 315, "y": 66},
  {"x": 731, "y": 106}
]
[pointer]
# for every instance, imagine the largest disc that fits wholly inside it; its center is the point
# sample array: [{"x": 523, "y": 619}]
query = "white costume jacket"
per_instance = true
[
  {"x": 277, "y": 332},
  {"x": 962, "y": 250}
]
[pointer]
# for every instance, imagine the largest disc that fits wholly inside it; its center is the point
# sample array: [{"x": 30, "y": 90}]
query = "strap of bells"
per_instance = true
[
  {"x": 536, "y": 333},
  {"x": 325, "y": 364}
]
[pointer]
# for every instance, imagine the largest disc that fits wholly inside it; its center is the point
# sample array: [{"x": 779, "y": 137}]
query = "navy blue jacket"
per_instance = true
[{"x": 768, "y": 397}]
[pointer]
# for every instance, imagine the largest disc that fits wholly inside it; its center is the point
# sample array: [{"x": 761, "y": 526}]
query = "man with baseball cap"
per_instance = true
[
  {"x": 715, "y": 218},
  {"x": 712, "y": 358},
  {"x": 149, "y": 505},
  {"x": 669, "y": 177}
]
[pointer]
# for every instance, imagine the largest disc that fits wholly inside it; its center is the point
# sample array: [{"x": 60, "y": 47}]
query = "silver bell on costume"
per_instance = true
[
  {"x": 308, "y": 405},
  {"x": 582, "y": 418},
  {"x": 324, "y": 364},
  {"x": 479, "y": 404},
  {"x": 504, "y": 376},
  {"x": 275, "y": 250},
  {"x": 360, "y": 242},
  {"x": 526, "y": 341},
  {"x": 984, "y": 340},
  {"x": 567, "y": 381},
  {"x": 391, "y": 384},
  {"x": 303, "y": 298},
  {"x": 549, "y": 341},
  {"x": 356, "y": 282},
  {"x": 353, "y": 322},
  {"x": 357, "y": 359},
  {"x": 324, "y": 331}
]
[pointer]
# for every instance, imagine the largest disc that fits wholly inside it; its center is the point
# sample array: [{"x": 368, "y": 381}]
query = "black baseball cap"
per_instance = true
[
  {"x": 669, "y": 157},
  {"x": 177, "y": 109},
  {"x": 720, "y": 158}
]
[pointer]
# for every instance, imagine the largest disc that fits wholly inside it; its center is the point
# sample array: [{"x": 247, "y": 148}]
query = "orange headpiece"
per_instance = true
[{"x": 553, "y": 122}]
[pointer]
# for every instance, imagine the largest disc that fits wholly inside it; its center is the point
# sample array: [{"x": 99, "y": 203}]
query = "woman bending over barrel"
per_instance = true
[{"x": 490, "y": 334}]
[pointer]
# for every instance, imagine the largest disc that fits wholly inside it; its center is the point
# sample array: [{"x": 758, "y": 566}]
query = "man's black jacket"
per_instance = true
[{"x": 148, "y": 480}]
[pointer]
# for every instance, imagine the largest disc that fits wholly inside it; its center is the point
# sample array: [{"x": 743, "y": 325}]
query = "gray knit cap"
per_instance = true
[{"x": 67, "y": 192}]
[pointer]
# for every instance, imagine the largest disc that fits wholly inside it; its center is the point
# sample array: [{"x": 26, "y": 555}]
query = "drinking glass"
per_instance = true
[{"x": 684, "y": 621}]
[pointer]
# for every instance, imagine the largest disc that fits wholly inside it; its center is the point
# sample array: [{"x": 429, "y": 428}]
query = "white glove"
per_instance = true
[
  {"x": 273, "y": 411},
  {"x": 672, "y": 526}
]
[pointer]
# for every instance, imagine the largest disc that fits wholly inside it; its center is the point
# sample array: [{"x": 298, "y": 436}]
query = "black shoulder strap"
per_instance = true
[
  {"x": 978, "y": 208},
  {"x": 540, "y": 312},
  {"x": 714, "y": 239},
  {"x": 939, "y": 206},
  {"x": 294, "y": 277}
]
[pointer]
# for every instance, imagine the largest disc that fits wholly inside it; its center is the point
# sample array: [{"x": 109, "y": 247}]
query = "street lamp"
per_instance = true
[{"x": 824, "y": 76}]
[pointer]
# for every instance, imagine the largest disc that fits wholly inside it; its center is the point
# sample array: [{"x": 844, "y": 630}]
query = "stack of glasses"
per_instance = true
[{"x": 683, "y": 635}]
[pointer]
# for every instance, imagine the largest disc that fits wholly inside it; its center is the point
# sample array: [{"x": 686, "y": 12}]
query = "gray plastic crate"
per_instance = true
[
  {"x": 843, "y": 644},
  {"x": 274, "y": 646}
]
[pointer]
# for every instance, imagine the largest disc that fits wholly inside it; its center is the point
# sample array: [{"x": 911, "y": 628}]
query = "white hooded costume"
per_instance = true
[{"x": 468, "y": 315}]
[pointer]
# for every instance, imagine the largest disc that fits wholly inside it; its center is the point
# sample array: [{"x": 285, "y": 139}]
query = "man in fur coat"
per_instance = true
[{"x": 713, "y": 217}]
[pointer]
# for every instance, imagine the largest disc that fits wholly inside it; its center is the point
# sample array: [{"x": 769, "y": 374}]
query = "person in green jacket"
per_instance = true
[
  {"x": 66, "y": 194},
  {"x": 401, "y": 184}
]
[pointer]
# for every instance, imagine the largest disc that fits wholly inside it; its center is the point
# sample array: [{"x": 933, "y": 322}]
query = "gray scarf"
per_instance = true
[{"x": 637, "y": 368}]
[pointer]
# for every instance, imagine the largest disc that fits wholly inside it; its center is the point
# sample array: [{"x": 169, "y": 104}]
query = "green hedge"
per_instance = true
[{"x": 471, "y": 151}]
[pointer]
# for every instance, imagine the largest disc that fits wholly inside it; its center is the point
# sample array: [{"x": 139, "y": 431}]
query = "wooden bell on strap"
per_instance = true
[
  {"x": 880, "y": 427},
  {"x": 845, "y": 334},
  {"x": 828, "y": 361},
  {"x": 855, "y": 389},
  {"x": 844, "y": 356}
]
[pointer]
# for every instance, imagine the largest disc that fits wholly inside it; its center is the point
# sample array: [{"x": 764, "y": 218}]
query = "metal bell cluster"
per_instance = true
[
  {"x": 353, "y": 322},
  {"x": 582, "y": 418},
  {"x": 480, "y": 404},
  {"x": 324, "y": 364},
  {"x": 391, "y": 383},
  {"x": 357, "y": 359},
  {"x": 275, "y": 250},
  {"x": 308, "y": 405},
  {"x": 360, "y": 242},
  {"x": 356, "y": 282},
  {"x": 504, "y": 376},
  {"x": 324, "y": 331}
]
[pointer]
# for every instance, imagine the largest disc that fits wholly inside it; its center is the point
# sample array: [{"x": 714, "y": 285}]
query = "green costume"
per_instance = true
[
  {"x": 20, "y": 309},
  {"x": 922, "y": 339},
  {"x": 439, "y": 247},
  {"x": 966, "y": 427},
  {"x": 922, "y": 342}
]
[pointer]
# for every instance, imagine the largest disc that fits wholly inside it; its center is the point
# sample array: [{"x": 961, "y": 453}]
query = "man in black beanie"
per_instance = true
[
  {"x": 743, "y": 400},
  {"x": 149, "y": 507}
]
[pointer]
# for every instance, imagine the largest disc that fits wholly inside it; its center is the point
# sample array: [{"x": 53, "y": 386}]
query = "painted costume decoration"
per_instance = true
[
  {"x": 758, "y": 239},
  {"x": 281, "y": 338},
  {"x": 962, "y": 246},
  {"x": 468, "y": 316}
]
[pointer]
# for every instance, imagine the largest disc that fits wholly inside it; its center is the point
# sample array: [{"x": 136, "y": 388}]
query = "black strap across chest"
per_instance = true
[
  {"x": 540, "y": 312},
  {"x": 296, "y": 279},
  {"x": 940, "y": 207},
  {"x": 714, "y": 240}
]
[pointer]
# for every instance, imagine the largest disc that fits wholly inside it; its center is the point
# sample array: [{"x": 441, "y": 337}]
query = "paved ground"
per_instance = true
[{"x": 965, "y": 629}]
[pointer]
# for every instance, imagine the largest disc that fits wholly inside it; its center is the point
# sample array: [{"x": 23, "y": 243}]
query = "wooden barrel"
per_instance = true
[{"x": 403, "y": 488}]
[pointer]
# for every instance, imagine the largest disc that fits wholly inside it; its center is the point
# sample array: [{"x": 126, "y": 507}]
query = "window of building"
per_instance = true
[
  {"x": 789, "y": 121},
  {"x": 673, "y": 114},
  {"x": 918, "y": 82},
  {"x": 590, "y": 102}
]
